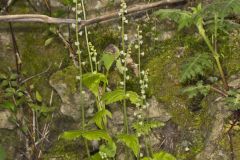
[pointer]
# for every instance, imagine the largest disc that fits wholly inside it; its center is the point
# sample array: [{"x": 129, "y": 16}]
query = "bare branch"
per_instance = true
[{"x": 114, "y": 15}]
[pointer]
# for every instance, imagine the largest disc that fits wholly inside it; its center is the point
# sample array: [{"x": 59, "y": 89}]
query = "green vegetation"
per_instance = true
[{"x": 180, "y": 71}]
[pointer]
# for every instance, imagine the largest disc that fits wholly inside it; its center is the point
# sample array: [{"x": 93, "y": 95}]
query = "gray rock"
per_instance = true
[
  {"x": 211, "y": 149},
  {"x": 157, "y": 110},
  {"x": 4, "y": 120},
  {"x": 64, "y": 82}
]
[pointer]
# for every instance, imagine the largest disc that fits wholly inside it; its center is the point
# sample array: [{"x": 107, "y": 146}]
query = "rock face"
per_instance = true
[
  {"x": 65, "y": 84},
  {"x": 157, "y": 110},
  {"x": 4, "y": 120},
  {"x": 214, "y": 135}
]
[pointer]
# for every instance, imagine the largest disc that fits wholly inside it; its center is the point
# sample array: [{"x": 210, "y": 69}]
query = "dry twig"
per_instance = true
[{"x": 110, "y": 16}]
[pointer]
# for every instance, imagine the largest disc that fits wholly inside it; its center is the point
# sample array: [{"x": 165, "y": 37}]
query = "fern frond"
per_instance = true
[
  {"x": 193, "y": 91},
  {"x": 233, "y": 99},
  {"x": 181, "y": 17},
  {"x": 196, "y": 66},
  {"x": 223, "y": 8}
]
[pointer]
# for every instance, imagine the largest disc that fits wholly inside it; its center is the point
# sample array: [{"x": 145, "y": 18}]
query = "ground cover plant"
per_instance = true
[{"x": 91, "y": 70}]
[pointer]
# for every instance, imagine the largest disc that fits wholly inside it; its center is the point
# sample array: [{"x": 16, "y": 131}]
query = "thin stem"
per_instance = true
[
  {"x": 124, "y": 76},
  {"x": 139, "y": 53},
  {"x": 146, "y": 146},
  {"x": 215, "y": 54},
  {"x": 86, "y": 36},
  {"x": 80, "y": 81}
]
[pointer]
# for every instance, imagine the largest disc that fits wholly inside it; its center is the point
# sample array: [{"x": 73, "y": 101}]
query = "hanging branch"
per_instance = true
[{"x": 51, "y": 20}]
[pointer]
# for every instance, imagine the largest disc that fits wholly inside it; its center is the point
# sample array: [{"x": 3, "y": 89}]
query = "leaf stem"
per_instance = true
[
  {"x": 80, "y": 81},
  {"x": 214, "y": 52}
]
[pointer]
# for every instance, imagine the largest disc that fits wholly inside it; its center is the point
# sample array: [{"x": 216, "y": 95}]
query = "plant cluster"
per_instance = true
[
  {"x": 28, "y": 110},
  {"x": 209, "y": 21},
  {"x": 97, "y": 82}
]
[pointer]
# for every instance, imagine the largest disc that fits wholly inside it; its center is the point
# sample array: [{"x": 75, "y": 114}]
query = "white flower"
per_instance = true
[
  {"x": 125, "y": 37},
  {"x": 79, "y": 12},
  {"x": 79, "y": 52},
  {"x": 94, "y": 59},
  {"x": 76, "y": 43},
  {"x": 78, "y": 77},
  {"x": 141, "y": 42},
  {"x": 79, "y": 19},
  {"x": 73, "y": 9},
  {"x": 80, "y": 33},
  {"x": 141, "y": 123},
  {"x": 143, "y": 72},
  {"x": 73, "y": 25},
  {"x": 127, "y": 95},
  {"x": 127, "y": 77},
  {"x": 135, "y": 113},
  {"x": 142, "y": 54},
  {"x": 139, "y": 134},
  {"x": 122, "y": 83},
  {"x": 83, "y": 63},
  {"x": 136, "y": 46},
  {"x": 126, "y": 21},
  {"x": 141, "y": 154}
]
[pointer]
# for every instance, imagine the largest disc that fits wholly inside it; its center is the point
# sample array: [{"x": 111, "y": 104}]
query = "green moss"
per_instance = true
[
  {"x": 67, "y": 150},
  {"x": 67, "y": 76},
  {"x": 10, "y": 143}
]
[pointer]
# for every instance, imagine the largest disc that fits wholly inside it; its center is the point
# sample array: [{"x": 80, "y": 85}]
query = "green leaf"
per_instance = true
[
  {"x": 109, "y": 149},
  {"x": 183, "y": 18},
  {"x": 194, "y": 66},
  {"x": 93, "y": 80},
  {"x": 89, "y": 135},
  {"x": 192, "y": 91},
  {"x": 119, "y": 66},
  {"x": 2, "y": 153},
  {"x": 67, "y": 2},
  {"x": 13, "y": 76},
  {"x": 163, "y": 156},
  {"x": 8, "y": 105},
  {"x": 145, "y": 128},
  {"x": 113, "y": 96},
  {"x": 108, "y": 60},
  {"x": 96, "y": 135},
  {"x": 4, "y": 83},
  {"x": 233, "y": 99},
  {"x": 133, "y": 97},
  {"x": 48, "y": 41},
  {"x": 14, "y": 83},
  {"x": 38, "y": 97},
  {"x": 3, "y": 76},
  {"x": 119, "y": 95},
  {"x": 71, "y": 135},
  {"x": 96, "y": 157},
  {"x": 44, "y": 110},
  {"x": 100, "y": 117},
  {"x": 10, "y": 90},
  {"x": 130, "y": 141}
]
